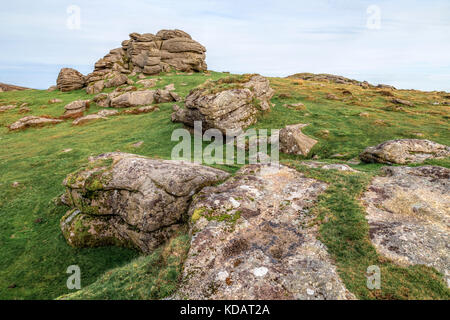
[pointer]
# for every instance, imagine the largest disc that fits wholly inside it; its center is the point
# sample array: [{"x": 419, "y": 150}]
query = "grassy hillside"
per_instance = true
[{"x": 34, "y": 255}]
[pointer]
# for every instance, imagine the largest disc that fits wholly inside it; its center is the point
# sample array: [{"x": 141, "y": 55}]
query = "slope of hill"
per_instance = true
[
  {"x": 9, "y": 87},
  {"x": 344, "y": 117}
]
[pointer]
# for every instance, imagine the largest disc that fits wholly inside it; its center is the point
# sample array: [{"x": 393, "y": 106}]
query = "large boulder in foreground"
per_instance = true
[
  {"x": 252, "y": 239},
  {"x": 229, "y": 104},
  {"x": 408, "y": 210},
  {"x": 294, "y": 141},
  {"x": 131, "y": 200},
  {"x": 70, "y": 79},
  {"x": 405, "y": 151},
  {"x": 32, "y": 121}
]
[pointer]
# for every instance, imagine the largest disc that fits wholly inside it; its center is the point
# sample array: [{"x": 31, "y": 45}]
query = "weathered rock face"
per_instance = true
[
  {"x": 294, "y": 141},
  {"x": 70, "y": 79},
  {"x": 229, "y": 104},
  {"x": 251, "y": 240},
  {"x": 405, "y": 151},
  {"x": 408, "y": 210},
  {"x": 151, "y": 54},
  {"x": 131, "y": 200},
  {"x": 32, "y": 121},
  {"x": 75, "y": 109}
]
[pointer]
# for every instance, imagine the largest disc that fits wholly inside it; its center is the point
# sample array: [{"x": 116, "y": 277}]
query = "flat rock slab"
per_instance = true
[
  {"x": 32, "y": 121},
  {"x": 405, "y": 151},
  {"x": 408, "y": 210},
  {"x": 251, "y": 240},
  {"x": 328, "y": 166}
]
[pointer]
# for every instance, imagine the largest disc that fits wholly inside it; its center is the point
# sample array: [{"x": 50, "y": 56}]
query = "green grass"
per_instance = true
[
  {"x": 148, "y": 277},
  {"x": 345, "y": 232},
  {"x": 34, "y": 255}
]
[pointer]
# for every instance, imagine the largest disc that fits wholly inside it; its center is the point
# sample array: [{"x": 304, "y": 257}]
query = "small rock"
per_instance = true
[
  {"x": 138, "y": 144},
  {"x": 293, "y": 141},
  {"x": 52, "y": 101}
]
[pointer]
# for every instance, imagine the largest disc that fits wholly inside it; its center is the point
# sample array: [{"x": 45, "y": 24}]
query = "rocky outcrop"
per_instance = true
[
  {"x": 252, "y": 240},
  {"x": 408, "y": 210},
  {"x": 127, "y": 199},
  {"x": 151, "y": 54},
  {"x": 328, "y": 166},
  {"x": 229, "y": 105},
  {"x": 70, "y": 79},
  {"x": 32, "y": 121},
  {"x": 4, "y": 87},
  {"x": 294, "y": 141},
  {"x": 405, "y": 151}
]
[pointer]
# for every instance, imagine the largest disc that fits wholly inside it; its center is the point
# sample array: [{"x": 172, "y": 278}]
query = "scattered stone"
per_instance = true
[
  {"x": 88, "y": 118},
  {"x": 8, "y": 107},
  {"x": 131, "y": 200},
  {"x": 408, "y": 214},
  {"x": 75, "y": 109},
  {"x": 229, "y": 104},
  {"x": 328, "y": 166},
  {"x": 15, "y": 184},
  {"x": 386, "y": 93},
  {"x": 364, "y": 115},
  {"x": 403, "y": 102},
  {"x": 170, "y": 87},
  {"x": 67, "y": 150},
  {"x": 138, "y": 144},
  {"x": 132, "y": 99},
  {"x": 70, "y": 79},
  {"x": 386, "y": 86},
  {"x": 95, "y": 87},
  {"x": 52, "y": 88},
  {"x": 331, "y": 96},
  {"x": 24, "y": 110},
  {"x": 140, "y": 110},
  {"x": 107, "y": 113},
  {"x": 147, "y": 83},
  {"x": 38, "y": 220},
  {"x": 294, "y": 141},
  {"x": 248, "y": 242},
  {"x": 32, "y": 121},
  {"x": 405, "y": 151}
]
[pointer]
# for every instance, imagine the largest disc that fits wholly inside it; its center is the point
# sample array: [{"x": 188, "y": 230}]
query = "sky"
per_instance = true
[{"x": 405, "y": 43}]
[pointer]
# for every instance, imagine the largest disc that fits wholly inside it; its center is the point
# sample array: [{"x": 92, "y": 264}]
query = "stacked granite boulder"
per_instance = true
[
  {"x": 143, "y": 53},
  {"x": 151, "y": 54}
]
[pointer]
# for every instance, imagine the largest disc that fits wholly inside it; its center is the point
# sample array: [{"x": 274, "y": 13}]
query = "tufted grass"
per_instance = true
[{"x": 34, "y": 255}]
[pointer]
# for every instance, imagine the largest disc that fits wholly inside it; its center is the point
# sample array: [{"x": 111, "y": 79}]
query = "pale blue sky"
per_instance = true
[{"x": 275, "y": 38}]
